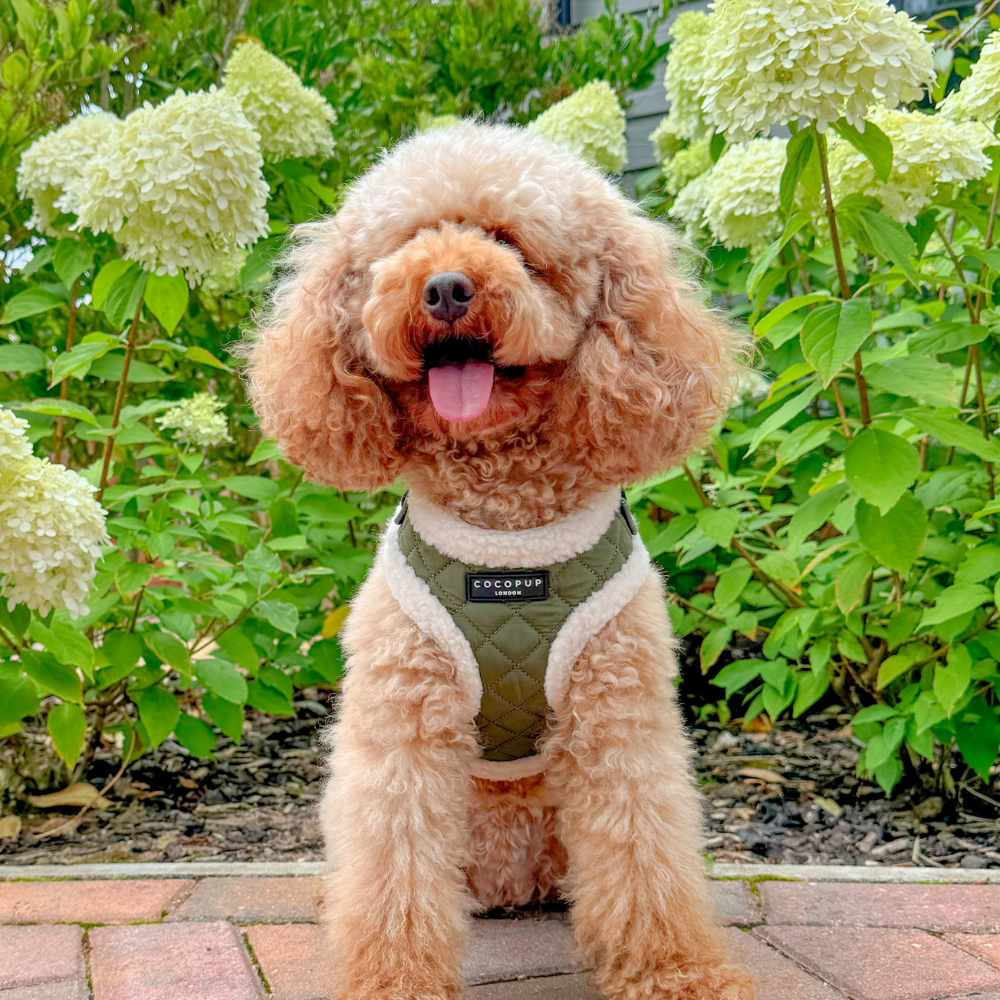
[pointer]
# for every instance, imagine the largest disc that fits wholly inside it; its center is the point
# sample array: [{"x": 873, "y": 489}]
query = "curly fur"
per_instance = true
[{"x": 608, "y": 370}]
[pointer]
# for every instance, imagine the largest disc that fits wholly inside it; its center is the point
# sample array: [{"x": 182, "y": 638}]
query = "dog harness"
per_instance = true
[{"x": 516, "y": 626}]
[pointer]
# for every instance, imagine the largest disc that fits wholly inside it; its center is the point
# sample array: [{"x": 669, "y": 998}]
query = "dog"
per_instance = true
[{"x": 489, "y": 319}]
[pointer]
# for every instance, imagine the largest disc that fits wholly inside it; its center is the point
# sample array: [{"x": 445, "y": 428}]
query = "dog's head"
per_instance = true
[{"x": 483, "y": 291}]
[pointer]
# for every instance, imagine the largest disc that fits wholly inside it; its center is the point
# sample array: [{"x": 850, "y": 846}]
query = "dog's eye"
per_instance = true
[{"x": 505, "y": 238}]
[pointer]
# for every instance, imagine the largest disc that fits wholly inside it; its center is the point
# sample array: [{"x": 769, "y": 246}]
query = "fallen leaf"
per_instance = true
[
  {"x": 758, "y": 724},
  {"x": 187, "y": 783},
  {"x": 10, "y": 827},
  {"x": 828, "y": 806},
  {"x": 57, "y": 824},
  {"x": 80, "y": 794},
  {"x": 334, "y": 620},
  {"x": 771, "y": 777}
]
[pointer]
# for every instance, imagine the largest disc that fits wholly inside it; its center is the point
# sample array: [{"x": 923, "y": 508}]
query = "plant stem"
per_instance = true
[
  {"x": 10, "y": 642},
  {"x": 119, "y": 399},
  {"x": 838, "y": 256},
  {"x": 64, "y": 384},
  {"x": 840, "y": 410}
]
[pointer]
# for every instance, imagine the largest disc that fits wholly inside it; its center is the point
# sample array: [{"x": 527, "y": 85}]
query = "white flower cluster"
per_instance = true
[
  {"x": 927, "y": 150},
  {"x": 52, "y": 168},
  {"x": 199, "y": 420},
  {"x": 688, "y": 163},
  {"x": 978, "y": 99},
  {"x": 51, "y": 528},
  {"x": 768, "y": 62},
  {"x": 742, "y": 193},
  {"x": 685, "y": 76},
  {"x": 689, "y": 206},
  {"x": 750, "y": 384},
  {"x": 293, "y": 120},
  {"x": 182, "y": 187},
  {"x": 591, "y": 123}
]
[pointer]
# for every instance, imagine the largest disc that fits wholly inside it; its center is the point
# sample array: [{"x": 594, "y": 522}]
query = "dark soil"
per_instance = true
[{"x": 787, "y": 796}]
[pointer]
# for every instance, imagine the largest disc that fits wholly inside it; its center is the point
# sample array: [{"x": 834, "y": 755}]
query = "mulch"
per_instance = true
[{"x": 787, "y": 796}]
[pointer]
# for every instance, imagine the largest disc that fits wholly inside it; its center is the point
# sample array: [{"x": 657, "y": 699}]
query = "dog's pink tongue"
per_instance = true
[{"x": 461, "y": 392}]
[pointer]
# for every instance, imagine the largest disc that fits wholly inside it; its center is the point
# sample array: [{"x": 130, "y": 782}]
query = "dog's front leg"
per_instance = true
[
  {"x": 394, "y": 814},
  {"x": 630, "y": 820}
]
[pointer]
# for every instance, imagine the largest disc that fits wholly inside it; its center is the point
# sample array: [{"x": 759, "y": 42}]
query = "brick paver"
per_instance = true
[
  {"x": 172, "y": 962},
  {"x": 735, "y": 903},
  {"x": 292, "y": 959},
  {"x": 777, "y": 977},
  {"x": 501, "y": 950},
  {"x": 252, "y": 900},
  {"x": 984, "y": 946},
  {"x": 883, "y": 964},
  {"x": 578, "y": 987},
  {"x": 30, "y": 956},
  {"x": 89, "y": 902},
  {"x": 938, "y": 908},
  {"x": 71, "y": 989}
]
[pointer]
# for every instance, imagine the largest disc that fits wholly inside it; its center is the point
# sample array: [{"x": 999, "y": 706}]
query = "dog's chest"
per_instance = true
[{"x": 511, "y": 618}]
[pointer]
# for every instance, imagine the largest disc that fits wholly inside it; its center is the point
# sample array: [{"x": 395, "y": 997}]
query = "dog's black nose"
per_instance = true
[{"x": 447, "y": 296}]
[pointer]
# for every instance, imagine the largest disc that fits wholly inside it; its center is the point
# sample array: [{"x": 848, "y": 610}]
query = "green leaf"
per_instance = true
[
  {"x": 222, "y": 679},
  {"x": 790, "y": 408},
  {"x": 19, "y": 697},
  {"x": 898, "y": 664},
  {"x": 891, "y": 242},
  {"x": 67, "y": 725},
  {"x": 65, "y": 643},
  {"x": 888, "y": 774},
  {"x": 850, "y": 583},
  {"x": 813, "y": 514},
  {"x": 715, "y": 641},
  {"x": 239, "y": 649},
  {"x": 30, "y": 302},
  {"x": 979, "y": 564},
  {"x": 921, "y": 378},
  {"x": 731, "y": 583},
  {"x": 267, "y": 699},
  {"x": 170, "y": 650},
  {"x": 52, "y": 676},
  {"x": 954, "y": 601},
  {"x": 282, "y": 615},
  {"x": 57, "y": 408},
  {"x": 159, "y": 712},
  {"x": 79, "y": 357},
  {"x": 719, "y": 523},
  {"x": 254, "y": 487},
  {"x": 195, "y": 735},
  {"x": 21, "y": 359},
  {"x": 70, "y": 260},
  {"x": 978, "y": 737},
  {"x": 203, "y": 357},
  {"x": 951, "y": 679},
  {"x": 786, "y": 308},
  {"x": 768, "y": 257},
  {"x": 110, "y": 369},
  {"x": 167, "y": 298},
  {"x": 953, "y": 432},
  {"x": 265, "y": 451},
  {"x": 873, "y": 144},
  {"x": 800, "y": 148},
  {"x": 131, "y": 577},
  {"x": 829, "y": 341},
  {"x": 106, "y": 278},
  {"x": 122, "y": 300},
  {"x": 894, "y": 539},
  {"x": 942, "y": 338},
  {"x": 879, "y": 466},
  {"x": 226, "y": 716}
]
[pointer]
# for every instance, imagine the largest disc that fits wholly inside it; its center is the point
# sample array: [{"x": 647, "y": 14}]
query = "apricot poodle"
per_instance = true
[{"x": 489, "y": 319}]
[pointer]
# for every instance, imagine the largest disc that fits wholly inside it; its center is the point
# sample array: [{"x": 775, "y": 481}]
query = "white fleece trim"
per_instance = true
[
  {"x": 588, "y": 618},
  {"x": 425, "y": 610},
  {"x": 522, "y": 549},
  {"x": 508, "y": 770}
]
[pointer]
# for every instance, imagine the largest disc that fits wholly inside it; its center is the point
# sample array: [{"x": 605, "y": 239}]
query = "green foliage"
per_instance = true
[{"x": 228, "y": 576}]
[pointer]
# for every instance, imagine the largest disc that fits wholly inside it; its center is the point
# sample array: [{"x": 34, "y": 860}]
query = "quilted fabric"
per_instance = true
[{"x": 511, "y": 639}]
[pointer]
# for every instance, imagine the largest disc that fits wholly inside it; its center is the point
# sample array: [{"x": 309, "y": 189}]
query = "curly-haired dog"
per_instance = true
[{"x": 489, "y": 319}]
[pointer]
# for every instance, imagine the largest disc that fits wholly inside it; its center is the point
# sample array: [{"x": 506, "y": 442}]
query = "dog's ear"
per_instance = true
[
  {"x": 307, "y": 378},
  {"x": 655, "y": 367}
]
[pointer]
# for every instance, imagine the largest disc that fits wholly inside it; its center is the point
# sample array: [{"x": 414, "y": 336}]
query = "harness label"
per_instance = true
[{"x": 513, "y": 585}]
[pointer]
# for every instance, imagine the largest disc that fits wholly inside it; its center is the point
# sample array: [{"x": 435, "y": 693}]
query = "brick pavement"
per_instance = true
[{"x": 252, "y": 938}]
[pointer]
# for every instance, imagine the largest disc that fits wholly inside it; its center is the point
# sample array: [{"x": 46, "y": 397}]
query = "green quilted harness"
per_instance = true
[{"x": 510, "y": 619}]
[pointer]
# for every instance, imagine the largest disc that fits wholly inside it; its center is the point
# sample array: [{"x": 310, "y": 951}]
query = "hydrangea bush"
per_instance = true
[
  {"x": 841, "y": 527},
  {"x": 163, "y": 572}
]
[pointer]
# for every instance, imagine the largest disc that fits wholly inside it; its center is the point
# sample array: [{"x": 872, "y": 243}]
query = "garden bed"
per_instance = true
[{"x": 787, "y": 796}]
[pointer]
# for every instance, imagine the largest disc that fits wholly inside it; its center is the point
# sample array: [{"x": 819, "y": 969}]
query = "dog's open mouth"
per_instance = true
[{"x": 460, "y": 376}]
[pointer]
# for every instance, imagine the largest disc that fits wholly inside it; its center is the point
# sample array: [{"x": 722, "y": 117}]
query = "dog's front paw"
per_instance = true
[{"x": 715, "y": 983}]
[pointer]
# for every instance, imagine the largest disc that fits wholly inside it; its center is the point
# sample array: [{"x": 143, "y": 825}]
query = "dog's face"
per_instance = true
[{"x": 479, "y": 292}]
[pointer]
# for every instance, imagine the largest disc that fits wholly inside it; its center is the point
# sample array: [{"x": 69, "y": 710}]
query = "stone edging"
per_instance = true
[{"x": 272, "y": 869}]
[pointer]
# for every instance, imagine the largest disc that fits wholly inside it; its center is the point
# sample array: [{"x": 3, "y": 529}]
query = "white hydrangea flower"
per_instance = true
[
  {"x": 51, "y": 167},
  {"x": 14, "y": 446},
  {"x": 689, "y": 205},
  {"x": 591, "y": 123},
  {"x": 182, "y": 187},
  {"x": 685, "y": 75},
  {"x": 666, "y": 142},
  {"x": 199, "y": 420},
  {"x": 769, "y": 62},
  {"x": 927, "y": 150},
  {"x": 293, "y": 120},
  {"x": 225, "y": 278},
  {"x": 750, "y": 384},
  {"x": 978, "y": 98},
  {"x": 685, "y": 165},
  {"x": 742, "y": 203},
  {"x": 51, "y": 529}
]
